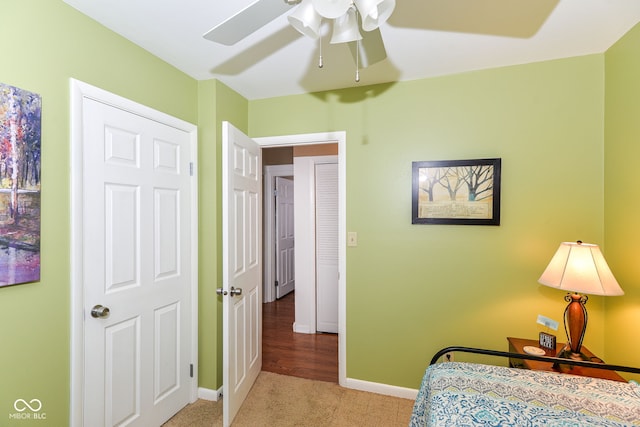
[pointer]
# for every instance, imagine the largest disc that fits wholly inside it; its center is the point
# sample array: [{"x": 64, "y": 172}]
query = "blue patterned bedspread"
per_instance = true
[{"x": 467, "y": 394}]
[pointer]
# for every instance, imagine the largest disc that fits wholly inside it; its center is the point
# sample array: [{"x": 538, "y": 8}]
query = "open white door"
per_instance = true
[
  {"x": 285, "y": 237},
  {"x": 242, "y": 267}
]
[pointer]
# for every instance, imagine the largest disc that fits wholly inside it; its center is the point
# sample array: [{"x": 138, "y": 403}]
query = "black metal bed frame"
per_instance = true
[{"x": 555, "y": 360}]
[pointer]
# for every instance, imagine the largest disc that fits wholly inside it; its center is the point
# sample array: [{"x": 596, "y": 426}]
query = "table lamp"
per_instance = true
[{"x": 579, "y": 268}]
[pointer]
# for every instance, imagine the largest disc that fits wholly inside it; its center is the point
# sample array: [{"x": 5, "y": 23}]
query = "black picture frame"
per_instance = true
[{"x": 462, "y": 192}]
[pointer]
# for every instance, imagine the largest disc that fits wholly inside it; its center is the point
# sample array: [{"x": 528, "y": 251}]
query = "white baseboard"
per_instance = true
[
  {"x": 208, "y": 394},
  {"x": 302, "y": 329},
  {"x": 387, "y": 390}
]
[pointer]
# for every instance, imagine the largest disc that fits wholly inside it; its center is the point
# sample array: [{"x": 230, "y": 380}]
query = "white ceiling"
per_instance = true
[{"x": 423, "y": 38}]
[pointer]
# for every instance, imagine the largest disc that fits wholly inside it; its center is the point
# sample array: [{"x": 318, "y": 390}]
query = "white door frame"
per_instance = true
[
  {"x": 80, "y": 91},
  {"x": 340, "y": 138},
  {"x": 270, "y": 172}
]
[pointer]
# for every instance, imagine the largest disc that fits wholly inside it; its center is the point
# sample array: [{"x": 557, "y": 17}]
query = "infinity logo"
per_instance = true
[{"x": 21, "y": 405}]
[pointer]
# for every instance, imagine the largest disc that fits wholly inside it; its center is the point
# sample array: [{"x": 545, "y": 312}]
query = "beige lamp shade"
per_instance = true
[
  {"x": 580, "y": 267},
  {"x": 306, "y": 20}
]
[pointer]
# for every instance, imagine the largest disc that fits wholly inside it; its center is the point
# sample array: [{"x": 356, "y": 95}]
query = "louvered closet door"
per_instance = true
[{"x": 326, "y": 178}]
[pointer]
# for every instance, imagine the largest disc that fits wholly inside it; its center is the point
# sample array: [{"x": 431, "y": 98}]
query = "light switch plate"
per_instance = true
[{"x": 352, "y": 238}]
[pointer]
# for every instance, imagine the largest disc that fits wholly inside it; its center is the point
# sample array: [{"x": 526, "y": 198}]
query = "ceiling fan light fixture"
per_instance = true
[
  {"x": 332, "y": 9},
  {"x": 374, "y": 12},
  {"x": 306, "y": 20},
  {"x": 370, "y": 50},
  {"x": 345, "y": 28}
]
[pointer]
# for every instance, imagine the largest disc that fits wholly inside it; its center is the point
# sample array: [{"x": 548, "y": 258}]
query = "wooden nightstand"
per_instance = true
[{"x": 516, "y": 345}]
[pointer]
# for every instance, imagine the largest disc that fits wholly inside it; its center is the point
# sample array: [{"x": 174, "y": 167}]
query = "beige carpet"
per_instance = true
[{"x": 280, "y": 400}]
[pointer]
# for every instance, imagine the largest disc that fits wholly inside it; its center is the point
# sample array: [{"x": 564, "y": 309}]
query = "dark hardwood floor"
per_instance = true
[{"x": 312, "y": 356}]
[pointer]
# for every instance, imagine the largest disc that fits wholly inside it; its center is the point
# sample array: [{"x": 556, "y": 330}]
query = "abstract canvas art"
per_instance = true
[{"x": 20, "y": 143}]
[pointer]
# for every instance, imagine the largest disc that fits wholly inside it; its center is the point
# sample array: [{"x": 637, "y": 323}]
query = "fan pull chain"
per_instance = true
[
  {"x": 357, "y": 61},
  {"x": 320, "y": 64}
]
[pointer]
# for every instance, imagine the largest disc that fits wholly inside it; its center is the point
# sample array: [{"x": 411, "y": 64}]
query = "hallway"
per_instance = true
[{"x": 311, "y": 356}]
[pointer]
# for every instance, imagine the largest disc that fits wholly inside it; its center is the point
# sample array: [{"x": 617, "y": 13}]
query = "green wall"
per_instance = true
[
  {"x": 45, "y": 43},
  {"x": 208, "y": 310},
  {"x": 622, "y": 205},
  {"x": 412, "y": 289}
]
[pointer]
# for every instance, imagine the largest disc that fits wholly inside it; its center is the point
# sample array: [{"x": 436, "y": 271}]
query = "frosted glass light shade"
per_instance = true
[
  {"x": 580, "y": 267},
  {"x": 369, "y": 50},
  {"x": 374, "y": 12},
  {"x": 331, "y": 9},
  {"x": 306, "y": 20},
  {"x": 345, "y": 28}
]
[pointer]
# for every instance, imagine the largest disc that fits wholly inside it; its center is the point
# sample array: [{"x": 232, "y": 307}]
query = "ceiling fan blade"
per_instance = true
[
  {"x": 370, "y": 49},
  {"x": 245, "y": 22}
]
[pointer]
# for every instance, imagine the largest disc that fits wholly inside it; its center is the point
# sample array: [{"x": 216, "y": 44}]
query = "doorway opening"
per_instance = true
[
  {"x": 279, "y": 315},
  {"x": 312, "y": 355}
]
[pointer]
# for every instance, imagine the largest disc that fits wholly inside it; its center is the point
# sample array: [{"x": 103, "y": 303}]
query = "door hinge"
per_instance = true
[
  {"x": 191, "y": 370},
  {"x": 277, "y": 284},
  {"x": 190, "y": 168}
]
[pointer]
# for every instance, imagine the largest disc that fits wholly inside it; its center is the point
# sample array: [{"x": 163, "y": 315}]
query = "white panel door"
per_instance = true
[
  {"x": 327, "y": 247},
  {"x": 137, "y": 263},
  {"x": 285, "y": 237},
  {"x": 242, "y": 267}
]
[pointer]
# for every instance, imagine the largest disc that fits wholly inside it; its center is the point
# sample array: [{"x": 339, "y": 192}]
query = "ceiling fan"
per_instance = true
[{"x": 347, "y": 16}]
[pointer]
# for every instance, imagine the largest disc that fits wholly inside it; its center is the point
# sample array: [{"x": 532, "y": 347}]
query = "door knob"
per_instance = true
[
  {"x": 100, "y": 312},
  {"x": 232, "y": 292}
]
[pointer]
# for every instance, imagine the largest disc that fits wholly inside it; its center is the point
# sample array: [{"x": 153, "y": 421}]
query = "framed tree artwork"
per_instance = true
[
  {"x": 20, "y": 135},
  {"x": 465, "y": 192}
]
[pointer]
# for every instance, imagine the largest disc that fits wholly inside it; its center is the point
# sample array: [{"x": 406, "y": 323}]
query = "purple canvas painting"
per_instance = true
[{"x": 20, "y": 140}]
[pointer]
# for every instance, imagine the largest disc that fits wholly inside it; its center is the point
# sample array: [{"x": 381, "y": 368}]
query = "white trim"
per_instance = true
[
  {"x": 208, "y": 394},
  {"x": 78, "y": 92},
  {"x": 379, "y": 388},
  {"x": 270, "y": 172},
  {"x": 303, "y": 329},
  {"x": 340, "y": 138}
]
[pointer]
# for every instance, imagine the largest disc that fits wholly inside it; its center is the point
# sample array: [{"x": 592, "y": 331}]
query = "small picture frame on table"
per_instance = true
[{"x": 547, "y": 341}]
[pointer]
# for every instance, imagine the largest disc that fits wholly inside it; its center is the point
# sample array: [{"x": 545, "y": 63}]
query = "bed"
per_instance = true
[{"x": 468, "y": 394}]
